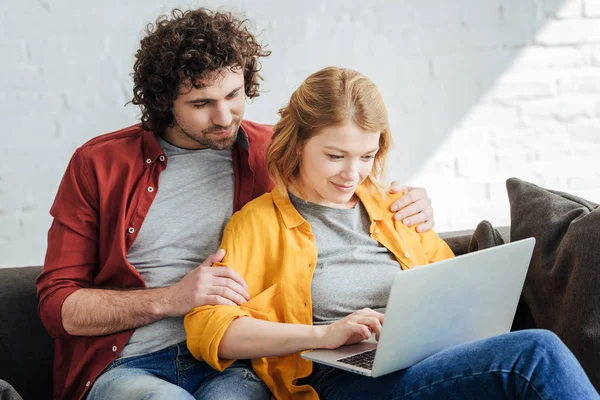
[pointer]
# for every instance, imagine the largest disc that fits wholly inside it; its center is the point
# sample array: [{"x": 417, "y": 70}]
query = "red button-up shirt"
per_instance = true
[{"x": 99, "y": 208}]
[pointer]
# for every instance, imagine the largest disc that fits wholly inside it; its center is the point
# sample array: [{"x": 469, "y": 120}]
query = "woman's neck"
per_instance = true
[{"x": 316, "y": 199}]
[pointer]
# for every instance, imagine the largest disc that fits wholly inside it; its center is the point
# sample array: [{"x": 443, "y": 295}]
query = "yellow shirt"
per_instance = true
[{"x": 272, "y": 247}]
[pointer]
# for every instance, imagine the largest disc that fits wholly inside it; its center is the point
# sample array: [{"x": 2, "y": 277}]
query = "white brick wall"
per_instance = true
[{"x": 478, "y": 91}]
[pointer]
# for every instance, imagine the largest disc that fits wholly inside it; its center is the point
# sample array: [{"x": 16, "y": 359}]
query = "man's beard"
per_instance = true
[{"x": 215, "y": 144}]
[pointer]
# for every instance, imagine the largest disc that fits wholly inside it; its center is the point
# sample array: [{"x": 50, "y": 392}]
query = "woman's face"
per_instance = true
[{"x": 334, "y": 162}]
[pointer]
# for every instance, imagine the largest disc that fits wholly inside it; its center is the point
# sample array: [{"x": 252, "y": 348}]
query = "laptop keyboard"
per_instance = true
[{"x": 363, "y": 360}]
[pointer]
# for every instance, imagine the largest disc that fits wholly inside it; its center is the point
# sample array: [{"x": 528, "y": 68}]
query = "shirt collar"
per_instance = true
[
  {"x": 372, "y": 201},
  {"x": 242, "y": 139},
  {"x": 151, "y": 149},
  {"x": 291, "y": 216},
  {"x": 370, "y": 198}
]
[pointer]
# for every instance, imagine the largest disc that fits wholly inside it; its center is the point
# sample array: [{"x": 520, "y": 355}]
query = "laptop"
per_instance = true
[{"x": 437, "y": 306}]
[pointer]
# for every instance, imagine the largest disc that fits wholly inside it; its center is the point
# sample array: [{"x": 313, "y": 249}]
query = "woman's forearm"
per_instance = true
[{"x": 253, "y": 338}]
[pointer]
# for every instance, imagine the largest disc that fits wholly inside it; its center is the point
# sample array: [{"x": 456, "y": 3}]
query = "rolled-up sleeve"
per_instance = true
[
  {"x": 205, "y": 327},
  {"x": 72, "y": 253}
]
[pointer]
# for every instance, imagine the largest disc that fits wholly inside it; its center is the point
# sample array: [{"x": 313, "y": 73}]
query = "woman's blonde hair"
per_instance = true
[{"x": 329, "y": 97}]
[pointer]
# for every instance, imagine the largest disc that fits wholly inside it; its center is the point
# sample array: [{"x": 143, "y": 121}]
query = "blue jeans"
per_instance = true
[
  {"x": 532, "y": 364},
  {"x": 173, "y": 374}
]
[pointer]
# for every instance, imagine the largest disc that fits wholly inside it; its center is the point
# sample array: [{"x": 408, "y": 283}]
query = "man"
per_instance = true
[{"x": 125, "y": 260}]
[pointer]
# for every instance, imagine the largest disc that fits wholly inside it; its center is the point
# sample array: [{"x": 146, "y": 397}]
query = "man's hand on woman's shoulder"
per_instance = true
[{"x": 414, "y": 208}]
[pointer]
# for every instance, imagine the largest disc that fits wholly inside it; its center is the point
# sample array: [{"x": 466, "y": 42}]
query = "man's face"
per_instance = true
[{"x": 211, "y": 116}]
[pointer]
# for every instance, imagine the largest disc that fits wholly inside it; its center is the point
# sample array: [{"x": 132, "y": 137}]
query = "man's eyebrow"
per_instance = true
[
  {"x": 345, "y": 152},
  {"x": 204, "y": 100}
]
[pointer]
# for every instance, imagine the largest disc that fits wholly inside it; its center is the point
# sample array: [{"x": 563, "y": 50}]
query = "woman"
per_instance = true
[{"x": 327, "y": 157}]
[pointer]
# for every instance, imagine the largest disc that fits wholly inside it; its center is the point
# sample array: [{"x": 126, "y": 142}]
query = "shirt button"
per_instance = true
[
  {"x": 150, "y": 189},
  {"x": 114, "y": 348},
  {"x": 377, "y": 231},
  {"x": 305, "y": 305},
  {"x": 149, "y": 161},
  {"x": 88, "y": 383},
  {"x": 131, "y": 229},
  {"x": 162, "y": 158},
  {"x": 407, "y": 255}
]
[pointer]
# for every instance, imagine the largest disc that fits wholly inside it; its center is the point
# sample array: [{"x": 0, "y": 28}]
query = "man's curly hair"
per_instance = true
[{"x": 183, "y": 49}]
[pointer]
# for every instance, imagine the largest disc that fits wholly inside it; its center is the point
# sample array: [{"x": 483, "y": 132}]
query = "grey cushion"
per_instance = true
[
  {"x": 26, "y": 350},
  {"x": 483, "y": 237},
  {"x": 562, "y": 289}
]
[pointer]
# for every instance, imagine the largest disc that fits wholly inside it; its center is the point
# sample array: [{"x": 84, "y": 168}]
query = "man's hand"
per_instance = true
[
  {"x": 208, "y": 285},
  {"x": 413, "y": 208},
  {"x": 95, "y": 312}
]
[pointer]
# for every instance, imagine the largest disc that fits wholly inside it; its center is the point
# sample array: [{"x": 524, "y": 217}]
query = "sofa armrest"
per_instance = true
[{"x": 26, "y": 349}]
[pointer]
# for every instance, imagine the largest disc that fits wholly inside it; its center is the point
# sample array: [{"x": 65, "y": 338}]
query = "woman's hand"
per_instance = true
[{"x": 352, "y": 329}]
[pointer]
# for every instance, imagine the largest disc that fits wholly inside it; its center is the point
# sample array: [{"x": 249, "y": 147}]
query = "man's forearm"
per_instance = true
[
  {"x": 95, "y": 312},
  {"x": 252, "y": 338}
]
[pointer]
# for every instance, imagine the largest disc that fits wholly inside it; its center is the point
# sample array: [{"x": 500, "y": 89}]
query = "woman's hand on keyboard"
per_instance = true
[{"x": 352, "y": 329}]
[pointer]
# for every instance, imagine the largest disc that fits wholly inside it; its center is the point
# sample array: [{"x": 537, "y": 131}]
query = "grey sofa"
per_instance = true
[{"x": 26, "y": 350}]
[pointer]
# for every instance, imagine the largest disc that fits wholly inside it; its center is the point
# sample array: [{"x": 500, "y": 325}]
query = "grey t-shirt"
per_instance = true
[
  {"x": 183, "y": 227},
  {"x": 353, "y": 270}
]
